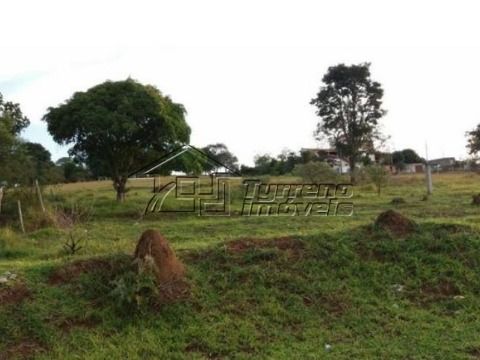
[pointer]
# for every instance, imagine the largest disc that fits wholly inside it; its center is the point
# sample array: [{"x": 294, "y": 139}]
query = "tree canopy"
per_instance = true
[
  {"x": 473, "y": 137},
  {"x": 405, "y": 156},
  {"x": 349, "y": 105},
  {"x": 220, "y": 153},
  {"x": 11, "y": 116},
  {"x": 14, "y": 161},
  {"x": 119, "y": 126}
]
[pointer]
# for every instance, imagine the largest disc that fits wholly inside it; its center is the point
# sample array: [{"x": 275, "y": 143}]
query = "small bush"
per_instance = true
[
  {"x": 361, "y": 176},
  {"x": 132, "y": 290},
  {"x": 72, "y": 214},
  {"x": 378, "y": 176},
  {"x": 74, "y": 242},
  {"x": 397, "y": 201}
]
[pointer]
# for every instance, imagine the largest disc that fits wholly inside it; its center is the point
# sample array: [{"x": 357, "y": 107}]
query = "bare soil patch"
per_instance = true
[
  {"x": 69, "y": 324},
  {"x": 73, "y": 270},
  {"x": 14, "y": 294},
  {"x": 26, "y": 349},
  {"x": 430, "y": 293},
  {"x": 443, "y": 289},
  {"x": 293, "y": 246}
]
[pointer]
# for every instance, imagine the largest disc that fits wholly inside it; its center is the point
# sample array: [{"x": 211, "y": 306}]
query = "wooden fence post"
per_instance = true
[
  {"x": 40, "y": 198},
  {"x": 1, "y": 197},
  {"x": 20, "y": 215}
]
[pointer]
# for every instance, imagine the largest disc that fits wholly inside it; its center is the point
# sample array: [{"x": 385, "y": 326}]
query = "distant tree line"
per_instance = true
[{"x": 116, "y": 127}]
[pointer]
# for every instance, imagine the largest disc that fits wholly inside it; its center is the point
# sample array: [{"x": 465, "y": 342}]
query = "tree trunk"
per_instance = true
[
  {"x": 120, "y": 196},
  {"x": 351, "y": 163},
  {"x": 119, "y": 185}
]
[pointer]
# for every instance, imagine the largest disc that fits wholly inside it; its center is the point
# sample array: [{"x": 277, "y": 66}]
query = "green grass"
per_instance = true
[{"x": 360, "y": 290}]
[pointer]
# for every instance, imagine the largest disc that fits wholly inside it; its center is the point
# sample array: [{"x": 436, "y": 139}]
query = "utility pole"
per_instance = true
[{"x": 428, "y": 172}]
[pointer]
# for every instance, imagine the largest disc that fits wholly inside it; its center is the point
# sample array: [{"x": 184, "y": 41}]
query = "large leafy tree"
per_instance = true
[
  {"x": 405, "y": 156},
  {"x": 220, "y": 153},
  {"x": 14, "y": 164},
  {"x": 473, "y": 138},
  {"x": 11, "y": 116},
  {"x": 349, "y": 105},
  {"x": 119, "y": 126},
  {"x": 42, "y": 166},
  {"x": 71, "y": 170}
]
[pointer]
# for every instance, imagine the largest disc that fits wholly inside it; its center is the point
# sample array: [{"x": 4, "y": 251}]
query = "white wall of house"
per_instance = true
[
  {"x": 341, "y": 166},
  {"x": 413, "y": 168}
]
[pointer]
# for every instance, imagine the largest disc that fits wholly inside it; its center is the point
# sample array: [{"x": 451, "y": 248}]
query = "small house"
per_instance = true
[{"x": 442, "y": 164}]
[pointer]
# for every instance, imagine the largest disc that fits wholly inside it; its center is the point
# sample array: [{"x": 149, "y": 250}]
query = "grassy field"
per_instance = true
[{"x": 260, "y": 287}]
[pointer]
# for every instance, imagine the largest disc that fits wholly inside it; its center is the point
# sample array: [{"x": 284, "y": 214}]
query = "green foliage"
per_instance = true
[
  {"x": 473, "y": 138},
  {"x": 12, "y": 117},
  {"x": 16, "y": 167},
  {"x": 220, "y": 153},
  {"x": 42, "y": 167},
  {"x": 118, "y": 126},
  {"x": 316, "y": 172},
  {"x": 406, "y": 156},
  {"x": 72, "y": 170},
  {"x": 378, "y": 175},
  {"x": 349, "y": 105},
  {"x": 265, "y": 164},
  {"x": 337, "y": 281},
  {"x": 133, "y": 291}
]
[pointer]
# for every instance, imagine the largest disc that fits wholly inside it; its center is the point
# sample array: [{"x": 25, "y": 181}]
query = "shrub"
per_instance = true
[
  {"x": 132, "y": 290},
  {"x": 378, "y": 176}
]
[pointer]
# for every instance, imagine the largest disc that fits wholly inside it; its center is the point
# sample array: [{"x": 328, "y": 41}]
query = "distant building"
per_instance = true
[
  {"x": 340, "y": 165},
  {"x": 413, "y": 168},
  {"x": 332, "y": 157},
  {"x": 443, "y": 164}
]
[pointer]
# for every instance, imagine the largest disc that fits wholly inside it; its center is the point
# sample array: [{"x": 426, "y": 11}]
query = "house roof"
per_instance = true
[
  {"x": 149, "y": 168},
  {"x": 440, "y": 161}
]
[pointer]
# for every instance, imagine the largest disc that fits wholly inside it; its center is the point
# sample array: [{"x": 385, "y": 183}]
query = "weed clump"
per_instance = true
[
  {"x": 395, "y": 223},
  {"x": 476, "y": 199},
  {"x": 397, "y": 201}
]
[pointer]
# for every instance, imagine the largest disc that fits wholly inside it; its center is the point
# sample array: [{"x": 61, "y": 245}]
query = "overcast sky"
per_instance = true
[{"x": 246, "y": 70}]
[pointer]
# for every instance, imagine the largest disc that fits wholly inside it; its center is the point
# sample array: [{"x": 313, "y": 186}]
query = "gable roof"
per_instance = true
[{"x": 165, "y": 159}]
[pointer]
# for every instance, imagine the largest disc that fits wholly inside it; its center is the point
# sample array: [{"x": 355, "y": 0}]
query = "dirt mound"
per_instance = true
[
  {"x": 395, "y": 222},
  {"x": 13, "y": 294},
  {"x": 153, "y": 252}
]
